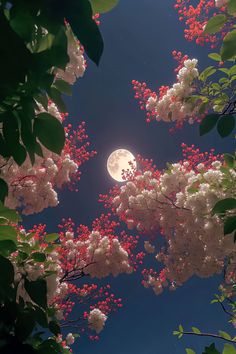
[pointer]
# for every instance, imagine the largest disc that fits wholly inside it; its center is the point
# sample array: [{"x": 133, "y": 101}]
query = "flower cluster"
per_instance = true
[
  {"x": 77, "y": 64},
  {"x": 171, "y": 104},
  {"x": 33, "y": 188},
  {"x": 177, "y": 203},
  {"x": 196, "y": 17},
  {"x": 61, "y": 260}
]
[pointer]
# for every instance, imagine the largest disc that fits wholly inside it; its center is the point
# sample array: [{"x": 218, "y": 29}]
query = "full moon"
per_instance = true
[{"x": 118, "y": 161}]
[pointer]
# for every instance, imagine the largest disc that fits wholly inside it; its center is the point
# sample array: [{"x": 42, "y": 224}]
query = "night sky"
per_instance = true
[{"x": 139, "y": 36}]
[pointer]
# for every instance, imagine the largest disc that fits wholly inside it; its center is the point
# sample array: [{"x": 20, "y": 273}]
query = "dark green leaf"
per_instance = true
[
  {"x": 226, "y": 125},
  {"x": 79, "y": 15},
  {"x": 49, "y": 346},
  {"x": 57, "y": 99},
  {"x": 223, "y": 205},
  {"x": 24, "y": 325},
  {"x": 38, "y": 257},
  {"x": 207, "y": 72},
  {"x": 63, "y": 87},
  {"x": 54, "y": 328},
  {"x": 211, "y": 350},
  {"x": 7, "y": 272},
  {"x": 3, "y": 190},
  {"x": 229, "y": 225},
  {"x": 41, "y": 317},
  {"x": 50, "y": 132},
  {"x": 208, "y": 123},
  {"x": 7, "y": 247},
  {"x": 231, "y": 7},
  {"x": 228, "y": 49},
  {"x": 37, "y": 290}
]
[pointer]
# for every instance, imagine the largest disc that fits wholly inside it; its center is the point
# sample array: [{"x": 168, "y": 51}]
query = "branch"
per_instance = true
[{"x": 209, "y": 335}]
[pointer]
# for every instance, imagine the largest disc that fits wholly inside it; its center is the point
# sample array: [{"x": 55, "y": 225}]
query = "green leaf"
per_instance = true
[
  {"x": 229, "y": 159},
  {"x": 9, "y": 214},
  {"x": 79, "y": 15},
  {"x": 211, "y": 350},
  {"x": 228, "y": 49},
  {"x": 24, "y": 325},
  {"x": 102, "y": 6},
  {"x": 226, "y": 125},
  {"x": 57, "y": 99},
  {"x": 38, "y": 257},
  {"x": 229, "y": 225},
  {"x": 8, "y": 232},
  {"x": 206, "y": 73},
  {"x": 214, "y": 56},
  {"x": 63, "y": 87},
  {"x": 51, "y": 237},
  {"x": 7, "y": 247},
  {"x": 37, "y": 290},
  {"x": 208, "y": 123},
  {"x": 181, "y": 328},
  {"x": 3, "y": 190},
  {"x": 215, "y": 24},
  {"x": 231, "y": 7},
  {"x": 44, "y": 43},
  {"x": 229, "y": 349},
  {"x": 223, "y": 205},
  {"x": 7, "y": 272},
  {"x": 41, "y": 317},
  {"x": 50, "y": 132},
  {"x": 224, "y": 335},
  {"x": 49, "y": 346},
  {"x": 196, "y": 330},
  {"x": 190, "y": 351},
  {"x": 54, "y": 328}
]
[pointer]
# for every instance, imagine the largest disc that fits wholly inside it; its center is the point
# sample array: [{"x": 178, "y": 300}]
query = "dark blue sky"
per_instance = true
[{"x": 139, "y": 36}]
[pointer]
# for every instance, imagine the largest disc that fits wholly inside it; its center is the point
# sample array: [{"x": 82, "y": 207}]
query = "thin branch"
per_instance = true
[{"x": 217, "y": 336}]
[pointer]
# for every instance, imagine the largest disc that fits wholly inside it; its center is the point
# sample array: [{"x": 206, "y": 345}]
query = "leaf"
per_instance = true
[
  {"x": 102, "y": 6},
  {"x": 3, "y": 190},
  {"x": 79, "y": 15},
  {"x": 223, "y": 205},
  {"x": 24, "y": 325},
  {"x": 229, "y": 349},
  {"x": 231, "y": 7},
  {"x": 181, "y": 328},
  {"x": 7, "y": 272},
  {"x": 41, "y": 317},
  {"x": 8, "y": 232},
  {"x": 215, "y": 24},
  {"x": 208, "y": 123},
  {"x": 226, "y": 125},
  {"x": 38, "y": 257},
  {"x": 9, "y": 214},
  {"x": 206, "y": 73},
  {"x": 51, "y": 237},
  {"x": 211, "y": 350},
  {"x": 229, "y": 159},
  {"x": 190, "y": 351},
  {"x": 224, "y": 335},
  {"x": 196, "y": 330},
  {"x": 37, "y": 290},
  {"x": 49, "y": 346},
  {"x": 63, "y": 87},
  {"x": 57, "y": 99},
  {"x": 54, "y": 328},
  {"x": 50, "y": 132},
  {"x": 214, "y": 56},
  {"x": 229, "y": 225},
  {"x": 228, "y": 49},
  {"x": 7, "y": 247}
]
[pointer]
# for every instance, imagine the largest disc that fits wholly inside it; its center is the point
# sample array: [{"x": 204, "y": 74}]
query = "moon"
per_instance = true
[{"x": 118, "y": 161}]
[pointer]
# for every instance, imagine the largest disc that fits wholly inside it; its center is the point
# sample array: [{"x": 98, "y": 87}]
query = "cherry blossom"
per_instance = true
[
  {"x": 176, "y": 203},
  {"x": 34, "y": 188}
]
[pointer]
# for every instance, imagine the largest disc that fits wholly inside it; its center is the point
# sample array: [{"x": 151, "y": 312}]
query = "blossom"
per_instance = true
[
  {"x": 96, "y": 320},
  {"x": 33, "y": 188},
  {"x": 177, "y": 204}
]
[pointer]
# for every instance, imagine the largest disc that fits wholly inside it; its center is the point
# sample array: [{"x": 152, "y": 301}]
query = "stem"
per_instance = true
[{"x": 210, "y": 335}]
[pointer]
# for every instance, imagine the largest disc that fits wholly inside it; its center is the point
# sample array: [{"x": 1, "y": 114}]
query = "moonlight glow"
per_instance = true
[{"x": 118, "y": 161}]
